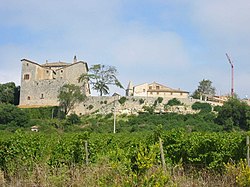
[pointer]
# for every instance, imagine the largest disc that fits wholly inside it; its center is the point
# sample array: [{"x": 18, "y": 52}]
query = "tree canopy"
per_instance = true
[
  {"x": 69, "y": 95},
  {"x": 10, "y": 114},
  {"x": 204, "y": 88},
  {"x": 9, "y": 93},
  {"x": 234, "y": 113},
  {"x": 100, "y": 77}
]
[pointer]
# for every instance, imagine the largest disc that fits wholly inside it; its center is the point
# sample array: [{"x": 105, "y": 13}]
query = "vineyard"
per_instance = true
[{"x": 123, "y": 159}]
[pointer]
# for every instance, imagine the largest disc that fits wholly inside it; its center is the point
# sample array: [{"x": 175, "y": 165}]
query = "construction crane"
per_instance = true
[{"x": 232, "y": 75}]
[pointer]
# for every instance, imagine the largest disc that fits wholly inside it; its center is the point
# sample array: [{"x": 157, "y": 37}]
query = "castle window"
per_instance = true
[
  {"x": 61, "y": 71},
  {"x": 27, "y": 64},
  {"x": 151, "y": 93},
  {"x": 26, "y": 76},
  {"x": 47, "y": 71},
  {"x": 28, "y": 97},
  {"x": 181, "y": 94},
  {"x": 157, "y": 87},
  {"x": 42, "y": 96},
  {"x": 144, "y": 90},
  {"x": 150, "y": 87},
  {"x": 171, "y": 93},
  {"x": 157, "y": 93}
]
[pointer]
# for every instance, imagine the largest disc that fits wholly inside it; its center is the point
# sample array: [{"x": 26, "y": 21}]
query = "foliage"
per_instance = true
[
  {"x": 240, "y": 172},
  {"x": 204, "y": 88},
  {"x": 69, "y": 95},
  {"x": 234, "y": 113},
  {"x": 203, "y": 107},
  {"x": 100, "y": 77},
  {"x": 141, "y": 101},
  {"x": 173, "y": 102},
  {"x": 73, "y": 119},
  {"x": 149, "y": 109},
  {"x": 158, "y": 100},
  {"x": 90, "y": 107},
  {"x": 11, "y": 115},
  {"x": 9, "y": 93},
  {"x": 122, "y": 100},
  {"x": 43, "y": 112}
]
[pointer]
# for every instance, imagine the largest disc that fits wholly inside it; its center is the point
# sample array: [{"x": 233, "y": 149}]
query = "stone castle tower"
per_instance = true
[
  {"x": 129, "y": 90},
  {"x": 40, "y": 83}
]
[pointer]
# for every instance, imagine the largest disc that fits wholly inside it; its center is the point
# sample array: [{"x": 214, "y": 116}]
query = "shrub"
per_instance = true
[
  {"x": 90, "y": 107},
  {"x": 203, "y": 107},
  {"x": 10, "y": 114},
  {"x": 173, "y": 102},
  {"x": 141, "y": 101},
  {"x": 73, "y": 119},
  {"x": 122, "y": 100}
]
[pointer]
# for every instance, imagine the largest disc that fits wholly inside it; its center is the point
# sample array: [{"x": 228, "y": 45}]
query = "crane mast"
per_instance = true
[{"x": 232, "y": 74}]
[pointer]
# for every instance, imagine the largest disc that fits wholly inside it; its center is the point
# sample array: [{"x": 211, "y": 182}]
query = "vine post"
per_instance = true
[
  {"x": 162, "y": 156},
  {"x": 86, "y": 153},
  {"x": 248, "y": 160}
]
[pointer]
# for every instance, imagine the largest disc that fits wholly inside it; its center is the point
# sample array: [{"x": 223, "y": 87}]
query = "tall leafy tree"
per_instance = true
[
  {"x": 234, "y": 113},
  {"x": 13, "y": 115},
  {"x": 9, "y": 93},
  {"x": 69, "y": 95},
  {"x": 101, "y": 77},
  {"x": 205, "y": 88}
]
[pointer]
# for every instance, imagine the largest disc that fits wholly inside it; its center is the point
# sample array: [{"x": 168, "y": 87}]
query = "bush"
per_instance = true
[
  {"x": 173, "y": 102},
  {"x": 90, "y": 107},
  {"x": 141, "y": 101},
  {"x": 203, "y": 107},
  {"x": 122, "y": 100},
  {"x": 73, "y": 119},
  {"x": 43, "y": 112},
  {"x": 10, "y": 114}
]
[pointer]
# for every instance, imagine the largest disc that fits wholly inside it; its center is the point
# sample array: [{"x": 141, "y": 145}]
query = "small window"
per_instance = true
[
  {"x": 144, "y": 90},
  {"x": 28, "y": 98},
  {"x": 171, "y": 93},
  {"x": 151, "y": 93},
  {"x": 181, "y": 94},
  {"x": 26, "y": 76},
  {"x": 61, "y": 71},
  {"x": 42, "y": 96},
  {"x": 157, "y": 87},
  {"x": 157, "y": 93},
  {"x": 27, "y": 64},
  {"x": 150, "y": 87},
  {"x": 47, "y": 71}
]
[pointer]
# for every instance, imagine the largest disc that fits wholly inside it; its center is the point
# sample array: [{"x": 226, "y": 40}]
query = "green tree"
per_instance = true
[
  {"x": 10, "y": 114},
  {"x": 173, "y": 102},
  {"x": 100, "y": 77},
  {"x": 9, "y": 93},
  {"x": 205, "y": 88},
  {"x": 237, "y": 111},
  {"x": 69, "y": 95}
]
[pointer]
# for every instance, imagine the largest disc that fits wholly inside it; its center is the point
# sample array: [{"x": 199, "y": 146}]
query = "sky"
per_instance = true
[{"x": 176, "y": 43}]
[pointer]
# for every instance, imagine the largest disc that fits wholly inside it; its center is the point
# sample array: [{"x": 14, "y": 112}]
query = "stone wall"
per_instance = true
[{"x": 132, "y": 105}]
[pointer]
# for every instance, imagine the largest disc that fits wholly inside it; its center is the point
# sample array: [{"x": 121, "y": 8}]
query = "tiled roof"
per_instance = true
[{"x": 55, "y": 64}]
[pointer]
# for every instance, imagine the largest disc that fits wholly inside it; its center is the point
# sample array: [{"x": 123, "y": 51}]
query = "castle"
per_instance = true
[{"x": 40, "y": 83}]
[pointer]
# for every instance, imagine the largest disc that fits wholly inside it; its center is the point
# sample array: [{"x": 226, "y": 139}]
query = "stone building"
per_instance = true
[
  {"x": 155, "y": 90},
  {"x": 40, "y": 83}
]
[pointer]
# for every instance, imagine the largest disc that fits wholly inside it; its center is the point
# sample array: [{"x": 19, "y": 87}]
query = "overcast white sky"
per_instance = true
[{"x": 175, "y": 43}]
